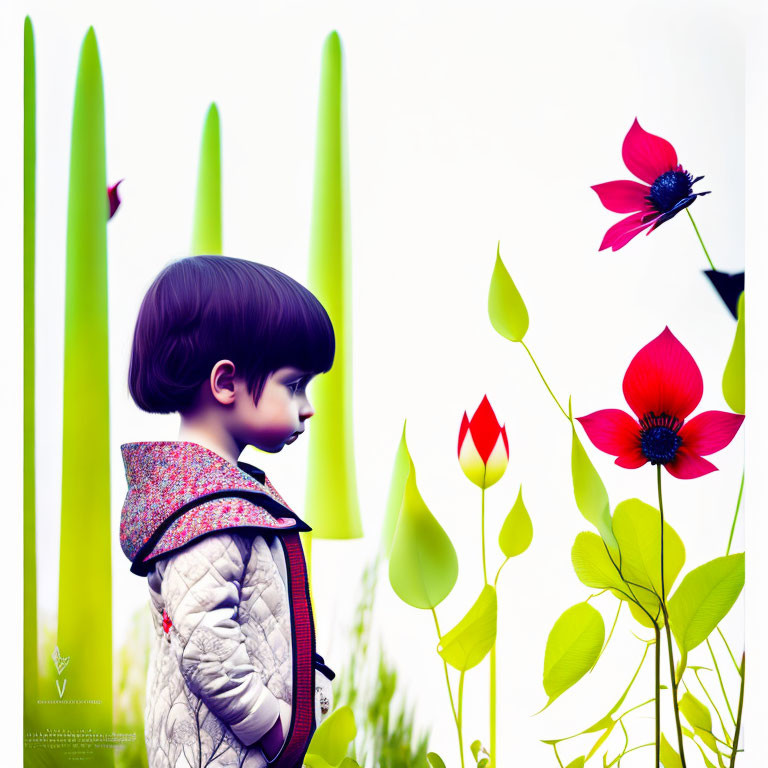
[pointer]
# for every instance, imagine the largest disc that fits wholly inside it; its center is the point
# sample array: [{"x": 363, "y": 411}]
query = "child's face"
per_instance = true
[{"x": 278, "y": 418}]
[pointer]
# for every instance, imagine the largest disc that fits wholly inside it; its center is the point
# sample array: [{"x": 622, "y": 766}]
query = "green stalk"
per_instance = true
[
  {"x": 30, "y": 533},
  {"x": 720, "y": 679},
  {"x": 492, "y": 760},
  {"x": 706, "y": 253},
  {"x": 206, "y": 232},
  {"x": 448, "y": 685},
  {"x": 714, "y": 706},
  {"x": 461, "y": 697},
  {"x": 738, "y": 718},
  {"x": 85, "y": 569},
  {"x": 557, "y": 402},
  {"x": 673, "y": 680},
  {"x": 331, "y": 462},
  {"x": 735, "y": 515},
  {"x": 658, "y": 693}
]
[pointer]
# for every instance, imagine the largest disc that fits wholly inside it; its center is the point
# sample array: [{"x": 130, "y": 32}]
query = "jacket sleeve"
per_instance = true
[{"x": 201, "y": 591}]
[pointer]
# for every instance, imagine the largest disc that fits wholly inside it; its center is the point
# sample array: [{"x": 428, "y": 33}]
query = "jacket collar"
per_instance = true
[{"x": 168, "y": 478}]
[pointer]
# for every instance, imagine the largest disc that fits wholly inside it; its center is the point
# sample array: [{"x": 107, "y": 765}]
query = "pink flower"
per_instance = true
[
  {"x": 114, "y": 198},
  {"x": 483, "y": 446},
  {"x": 667, "y": 189},
  {"x": 662, "y": 386}
]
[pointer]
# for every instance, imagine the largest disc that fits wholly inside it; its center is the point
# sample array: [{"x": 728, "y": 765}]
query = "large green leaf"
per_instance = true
[
  {"x": 593, "y": 565},
  {"x": 423, "y": 566},
  {"x": 506, "y": 307},
  {"x": 733, "y": 376},
  {"x": 637, "y": 527},
  {"x": 697, "y": 714},
  {"x": 332, "y": 738},
  {"x": 589, "y": 490},
  {"x": 669, "y": 758},
  {"x": 434, "y": 760},
  {"x": 396, "y": 491},
  {"x": 703, "y": 599},
  {"x": 468, "y": 643},
  {"x": 517, "y": 531},
  {"x": 572, "y": 648}
]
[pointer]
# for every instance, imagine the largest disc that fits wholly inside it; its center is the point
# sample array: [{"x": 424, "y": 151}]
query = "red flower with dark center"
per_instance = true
[
  {"x": 667, "y": 189},
  {"x": 662, "y": 386}
]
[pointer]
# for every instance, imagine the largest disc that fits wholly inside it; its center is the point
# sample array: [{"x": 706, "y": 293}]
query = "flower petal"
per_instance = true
[
  {"x": 646, "y": 155},
  {"x": 463, "y": 430},
  {"x": 687, "y": 465},
  {"x": 633, "y": 224},
  {"x": 484, "y": 428},
  {"x": 710, "y": 432},
  {"x": 623, "y": 196},
  {"x": 631, "y": 460},
  {"x": 613, "y": 432},
  {"x": 497, "y": 463},
  {"x": 471, "y": 462},
  {"x": 663, "y": 378}
]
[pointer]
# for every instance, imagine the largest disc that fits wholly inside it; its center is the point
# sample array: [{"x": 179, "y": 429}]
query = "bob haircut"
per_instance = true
[{"x": 202, "y": 309}]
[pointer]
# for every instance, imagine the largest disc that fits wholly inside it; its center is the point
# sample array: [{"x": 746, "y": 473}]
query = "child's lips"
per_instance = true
[{"x": 293, "y": 437}]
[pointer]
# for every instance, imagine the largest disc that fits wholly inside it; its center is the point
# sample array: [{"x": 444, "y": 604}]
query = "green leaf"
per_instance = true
[
  {"x": 396, "y": 492},
  {"x": 315, "y": 761},
  {"x": 331, "y": 740},
  {"x": 506, "y": 307},
  {"x": 348, "y": 762},
  {"x": 637, "y": 527},
  {"x": 669, "y": 758},
  {"x": 423, "y": 567},
  {"x": 468, "y": 643},
  {"x": 434, "y": 760},
  {"x": 703, "y": 599},
  {"x": 483, "y": 763},
  {"x": 695, "y": 712},
  {"x": 573, "y": 646},
  {"x": 475, "y": 748},
  {"x": 600, "y": 741},
  {"x": 577, "y": 763},
  {"x": 517, "y": 531},
  {"x": 588, "y": 489},
  {"x": 593, "y": 566},
  {"x": 733, "y": 376}
]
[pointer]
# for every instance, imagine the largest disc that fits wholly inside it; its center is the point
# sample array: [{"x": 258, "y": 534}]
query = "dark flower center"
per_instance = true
[
  {"x": 669, "y": 189},
  {"x": 659, "y": 440}
]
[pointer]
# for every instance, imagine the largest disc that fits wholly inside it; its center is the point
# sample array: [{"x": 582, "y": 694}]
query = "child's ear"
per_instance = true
[{"x": 223, "y": 382}]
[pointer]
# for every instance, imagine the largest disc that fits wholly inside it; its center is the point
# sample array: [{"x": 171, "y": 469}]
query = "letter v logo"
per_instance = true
[{"x": 61, "y": 688}]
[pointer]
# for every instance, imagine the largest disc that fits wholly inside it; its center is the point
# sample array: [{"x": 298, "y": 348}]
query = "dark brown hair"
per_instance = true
[{"x": 202, "y": 309}]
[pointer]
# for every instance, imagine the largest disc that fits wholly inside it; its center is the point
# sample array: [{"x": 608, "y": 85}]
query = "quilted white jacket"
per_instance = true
[
  {"x": 234, "y": 645},
  {"x": 221, "y": 675}
]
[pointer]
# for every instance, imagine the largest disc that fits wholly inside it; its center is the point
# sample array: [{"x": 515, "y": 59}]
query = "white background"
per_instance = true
[{"x": 466, "y": 125}]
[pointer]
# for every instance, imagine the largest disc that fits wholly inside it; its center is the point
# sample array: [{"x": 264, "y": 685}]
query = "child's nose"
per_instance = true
[{"x": 306, "y": 411}]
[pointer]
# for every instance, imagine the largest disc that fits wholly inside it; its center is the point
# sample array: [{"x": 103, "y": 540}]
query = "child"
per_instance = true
[{"x": 234, "y": 677}]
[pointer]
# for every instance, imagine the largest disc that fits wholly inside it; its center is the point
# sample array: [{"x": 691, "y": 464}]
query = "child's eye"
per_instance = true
[{"x": 296, "y": 386}]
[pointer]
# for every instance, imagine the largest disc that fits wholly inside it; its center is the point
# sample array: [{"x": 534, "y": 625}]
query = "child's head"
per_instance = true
[{"x": 202, "y": 310}]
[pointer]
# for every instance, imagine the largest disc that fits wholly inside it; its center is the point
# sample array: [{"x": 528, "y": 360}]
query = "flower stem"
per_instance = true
[
  {"x": 714, "y": 706},
  {"x": 738, "y": 717},
  {"x": 735, "y": 515},
  {"x": 673, "y": 679},
  {"x": 730, "y": 652},
  {"x": 461, "y": 696},
  {"x": 722, "y": 687},
  {"x": 562, "y": 410},
  {"x": 493, "y": 762},
  {"x": 482, "y": 524},
  {"x": 658, "y": 694},
  {"x": 700, "y": 240},
  {"x": 447, "y": 681}
]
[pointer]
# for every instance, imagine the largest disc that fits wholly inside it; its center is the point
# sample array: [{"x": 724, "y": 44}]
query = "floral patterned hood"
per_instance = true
[{"x": 181, "y": 491}]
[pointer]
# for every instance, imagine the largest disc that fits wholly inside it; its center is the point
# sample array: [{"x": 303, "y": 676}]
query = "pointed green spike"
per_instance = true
[
  {"x": 332, "y": 507},
  {"x": 85, "y": 568},
  {"x": 206, "y": 233}
]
